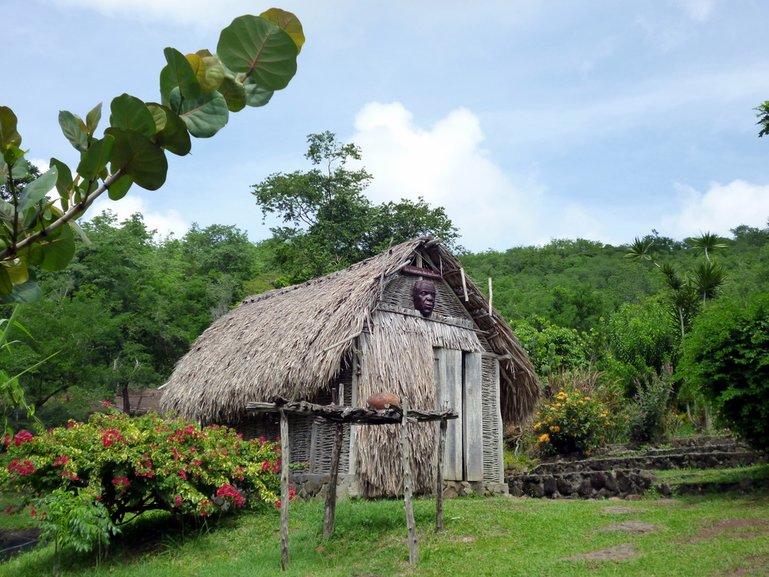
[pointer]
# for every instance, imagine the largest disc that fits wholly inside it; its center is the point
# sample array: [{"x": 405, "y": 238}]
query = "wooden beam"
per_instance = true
[
  {"x": 330, "y": 508},
  {"x": 284, "y": 489},
  {"x": 407, "y": 497},
  {"x": 439, "y": 483}
]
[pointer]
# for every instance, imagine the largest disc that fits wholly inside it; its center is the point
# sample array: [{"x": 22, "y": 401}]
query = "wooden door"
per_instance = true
[{"x": 458, "y": 386}]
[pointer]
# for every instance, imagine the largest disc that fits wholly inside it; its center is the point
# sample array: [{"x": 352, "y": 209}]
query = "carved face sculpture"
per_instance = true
[{"x": 423, "y": 292}]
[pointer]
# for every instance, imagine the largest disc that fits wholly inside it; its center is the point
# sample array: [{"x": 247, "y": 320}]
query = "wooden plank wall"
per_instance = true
[{"x": 473, "y": 417}]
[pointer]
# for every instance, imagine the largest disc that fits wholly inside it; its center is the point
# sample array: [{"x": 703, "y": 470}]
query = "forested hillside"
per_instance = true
[{"x": 129, "y": 305}]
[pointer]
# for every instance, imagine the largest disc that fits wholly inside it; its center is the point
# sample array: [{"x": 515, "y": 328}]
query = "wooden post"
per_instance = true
[
  {"x": 406, "y": 460},
  {"x": 284, "y": 493},
  {"x": 330, "y": 510},
  {"x": 439, "y": 484}
]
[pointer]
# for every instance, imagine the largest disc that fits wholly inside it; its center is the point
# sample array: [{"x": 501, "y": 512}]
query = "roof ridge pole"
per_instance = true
[{"x": 407, "y": 496}]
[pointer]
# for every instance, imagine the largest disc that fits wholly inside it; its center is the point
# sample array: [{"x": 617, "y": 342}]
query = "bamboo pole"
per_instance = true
[
  {"x": 439, "y": 484},
  {"x": 491, "y": 297},
  {"x": 407, "y": 497},
  {"x": 330, "y": 508},
  {"x": 284, "y": 492}
]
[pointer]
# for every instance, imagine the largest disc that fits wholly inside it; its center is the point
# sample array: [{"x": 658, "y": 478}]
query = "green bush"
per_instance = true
[
  {"x": 573, "y": 422},
  {"x": 726, "y": 357},
  {"x": 113, "y": 466},
  {"x": 649, "y": 410}
]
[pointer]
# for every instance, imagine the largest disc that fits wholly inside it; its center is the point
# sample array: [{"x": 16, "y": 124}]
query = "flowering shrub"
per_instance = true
[
  {"x": 572, "y": 422},
  {"x": 128, "y": 465}
]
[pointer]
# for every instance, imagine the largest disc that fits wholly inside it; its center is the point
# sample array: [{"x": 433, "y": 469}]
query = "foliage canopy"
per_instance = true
[{"x": 256, "y": 55}]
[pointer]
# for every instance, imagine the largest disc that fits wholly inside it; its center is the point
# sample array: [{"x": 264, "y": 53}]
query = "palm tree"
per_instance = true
[
  {"x": 707, "y": 243},
  {"x": 641, "y": 249}
]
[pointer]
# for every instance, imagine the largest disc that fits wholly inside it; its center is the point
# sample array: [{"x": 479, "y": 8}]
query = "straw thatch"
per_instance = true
[{"x": 294, "y": 342}]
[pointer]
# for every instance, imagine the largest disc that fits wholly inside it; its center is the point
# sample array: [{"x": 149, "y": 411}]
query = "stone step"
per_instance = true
[{"x": 689, "y": 460}]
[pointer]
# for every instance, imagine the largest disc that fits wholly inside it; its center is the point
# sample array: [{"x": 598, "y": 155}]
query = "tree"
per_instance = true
[
  {"x": 256, "y": 55},
  {"x": 331, "y": 223},
  {"x": 762, "y": 112},
  {"x": 727, "y": 358},
  {"x": 685, "y": 292}
]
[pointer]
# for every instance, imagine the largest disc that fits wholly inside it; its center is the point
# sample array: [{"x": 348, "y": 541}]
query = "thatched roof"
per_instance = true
[{"x": 293, "y": 342}]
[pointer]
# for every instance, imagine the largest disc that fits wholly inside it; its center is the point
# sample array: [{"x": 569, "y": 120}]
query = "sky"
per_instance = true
[{"x": 527, "y": 120}]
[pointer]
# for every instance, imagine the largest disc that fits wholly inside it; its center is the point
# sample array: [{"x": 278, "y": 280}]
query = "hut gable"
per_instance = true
[{"x": 357, "y": 326}]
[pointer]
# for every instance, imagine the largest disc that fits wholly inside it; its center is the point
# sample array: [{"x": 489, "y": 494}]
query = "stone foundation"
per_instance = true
[{"x": 309, "y": 485}]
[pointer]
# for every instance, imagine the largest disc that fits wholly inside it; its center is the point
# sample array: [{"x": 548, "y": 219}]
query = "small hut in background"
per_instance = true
[{"x": 359, "y": 331}]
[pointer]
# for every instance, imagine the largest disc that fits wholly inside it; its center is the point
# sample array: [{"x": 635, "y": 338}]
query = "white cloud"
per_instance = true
[
  {"x": 719, "y": 209},
  {"x": 199, "y": 13},
  {"x": 447, "y": 166},
  {"x": 165, "y": 223},
  {"x": 698, "y": 10}
]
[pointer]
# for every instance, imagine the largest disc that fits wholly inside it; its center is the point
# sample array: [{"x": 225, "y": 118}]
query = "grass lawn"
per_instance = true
[{"x": 694, "y": 536}]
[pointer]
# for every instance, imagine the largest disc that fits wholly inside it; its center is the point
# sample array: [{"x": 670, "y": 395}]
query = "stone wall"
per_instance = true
[{"x": 581, "y": 484}]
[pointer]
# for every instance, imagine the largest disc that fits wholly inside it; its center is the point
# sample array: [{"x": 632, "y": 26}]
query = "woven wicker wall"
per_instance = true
[
  {"x": 321, "y": 436},
  {"x": 493, "y": 465}
]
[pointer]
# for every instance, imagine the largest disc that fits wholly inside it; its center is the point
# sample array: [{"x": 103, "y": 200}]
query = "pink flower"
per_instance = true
[
  {"x": 60, "y": 461},
  {"x": 110, "y": 437},
  {"x": 183, "y": 474},
  {"x": 23, "y": 468},
  {"x": 178, "y": 500},
  {"x": 71, "y": 475},
  {"x": 229, "y": 492},
  {"x": 121, "y": 483},
  {"x": 22, "y": 437}
]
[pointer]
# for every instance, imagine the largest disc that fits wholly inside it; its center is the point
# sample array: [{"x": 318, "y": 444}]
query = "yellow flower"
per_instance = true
[
  {"x": 555, "y": 428},
  {"x": 543, "y": 439},
  {"x": 537, "y": 426},
  {"x": 561, "y": 395}
]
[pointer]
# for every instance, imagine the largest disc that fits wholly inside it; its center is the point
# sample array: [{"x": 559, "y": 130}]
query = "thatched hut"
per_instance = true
[{"x": 357, "y": 330}]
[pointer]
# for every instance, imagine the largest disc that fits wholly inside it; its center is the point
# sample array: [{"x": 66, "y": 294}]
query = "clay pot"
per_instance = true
[{"x": 381, "y": 401}]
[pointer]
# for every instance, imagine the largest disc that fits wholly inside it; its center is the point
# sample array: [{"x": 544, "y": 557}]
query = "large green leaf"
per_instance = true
[
  {"x": 208, "y": 70},
  {"x": 288, "y": 22},
  {"x": 14, "y": 156},
  {"x": 92, "y": 118},
  {"x": 36, "y": 190},
  {"x": 140, "y": 158},
  {"x": 20, "y": 165},
  {"x": 177, "y": 75},
  {"x": 28, "y": 292},
  {"x": 256, "y": 95},
  {"x": 17, "y": 271},
  {"x": 63, "y": 181},
  {"x": 260, "y": 49},
  {"x": 6, "y": 286},
  {"x": 9, "y": 136},
  {"x": 205, "y": 115},
  {"x": 120, "y": 187},
  {"x": 74, "y": 130},
  {"x": 234, "y": 93},
  {"x": 95, "y": 159},
  {"x": 130, "y": 113},
  {"x": 172, "y": 131},
  {"x": 58, "y": 250}
]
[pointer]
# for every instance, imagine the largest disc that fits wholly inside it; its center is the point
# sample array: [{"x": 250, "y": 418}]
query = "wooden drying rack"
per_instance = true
[{"x": 360, "y": 416}]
